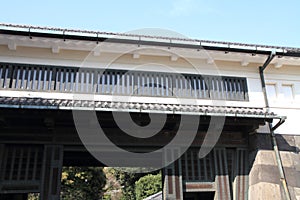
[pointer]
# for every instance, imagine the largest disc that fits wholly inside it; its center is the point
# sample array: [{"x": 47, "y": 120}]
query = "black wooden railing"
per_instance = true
[{"x": 120, "y": 82}]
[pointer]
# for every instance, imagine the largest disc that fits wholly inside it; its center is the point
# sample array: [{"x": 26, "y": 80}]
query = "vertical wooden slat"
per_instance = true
[
  {"x": 245, "y": 89},
  {"x": 186, "y": 166},
  {"x": 176, "y": 86},
  {"x": 35, "y": 163},
  {"x": 45, "y": 80},
  {"x": 51, "y": 175},
  {"x": 156, "y": 85},
  {"x": 12, "y": 75},
  {"x": 39, "y": 78},
  {"x": 17, "y": 78},
  {"x": 94, "y": 82},
  {"x": 81, "y": 81},
  {"x": 199, "y": 88},
  {"x": 211, "y": 166},
  {"x": 163, "y": 85},
  {"x": 4, "y": 164},
  {"x": 49, "y": 77},
  {"x": 240, "y": 183},
  {"x": 122, "y": 83},
  {"x": 12, "y": 164},
  {"x": 27, "y": 78},
  {"x": 167, "y": 80},
  {"x": 52, "y": 79},
  {"x": 191, "y": 86},
  {"x": 217, "y": 88},
  {"x": 222, "y": 177},
  {"x": 2, "y": 160},
  {"x": 57, "y": 80},
  {"x": 138, "y": 83},
  {"x": 33, "y": 82},
  {"x": 234, "y": 96},
  {"x": 199, "y": 168},
  {"x": 66, "y": 80},
  {"x": 88, "y": 81},
  {"x": 72, "y": 75},
  {"x": 126, "y": 84},
  {"x": 1, "y": 75},
  {"x": 98, "y": 82},
  {"x": 20, "y": 162},
  {"x": 63, "y": 82},
  {"x": 147, "y": 85},
  {"x": 172, "y": 176},
  {"x": 181, "y": 87},
  {"x": 231, "y": 92},
  {"x": 22, "y": 83},
  {"x": 205, "y": 168},
  {"x": 132, "y": 82},
  {"x": 118, "y": 83},
  {"x": 28, "y": 159},
  {"x": 6, "y": 78},
  {"x": 192, "y": 165},
  {"x": 76, "y": 80},
  {"x": 222, "y": 90}
]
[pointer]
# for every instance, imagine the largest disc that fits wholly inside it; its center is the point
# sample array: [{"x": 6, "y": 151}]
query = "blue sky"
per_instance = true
[{"x": 253, "y": 21}]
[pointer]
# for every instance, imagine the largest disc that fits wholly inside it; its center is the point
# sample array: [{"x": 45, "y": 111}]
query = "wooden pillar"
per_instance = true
[
  {"x": 241, "y": 175},
  {"x": 222, "y": 177},
  {"x": 51, "y": 175},
  {"x": 172, "y": 180}
]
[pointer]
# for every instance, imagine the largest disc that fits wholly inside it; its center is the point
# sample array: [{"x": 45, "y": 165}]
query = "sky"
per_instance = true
[{"x": 270, "y": 22}]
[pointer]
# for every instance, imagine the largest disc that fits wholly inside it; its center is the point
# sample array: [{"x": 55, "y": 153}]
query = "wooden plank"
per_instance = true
[{"x": 199, "y": 186}]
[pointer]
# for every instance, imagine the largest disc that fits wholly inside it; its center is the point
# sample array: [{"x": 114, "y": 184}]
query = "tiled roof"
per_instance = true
[
  {"x": 139, "y": 36},
  {"x": 41, "y": 103}
]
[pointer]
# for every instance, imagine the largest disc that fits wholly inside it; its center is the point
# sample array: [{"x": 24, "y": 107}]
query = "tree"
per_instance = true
[
  {"x": 127, "y": 181},
  {"x": 128, "y": 178},
  {"x": 148, "y": 185},
  {"x": 82, "y": 183}
]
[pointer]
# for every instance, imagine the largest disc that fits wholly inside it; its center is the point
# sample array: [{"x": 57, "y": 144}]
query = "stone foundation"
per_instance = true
[{"x": 264, "y": 178}]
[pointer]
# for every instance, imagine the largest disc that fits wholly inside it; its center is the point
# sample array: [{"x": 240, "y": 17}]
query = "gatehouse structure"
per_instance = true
[{"x": 248, "y": 93}]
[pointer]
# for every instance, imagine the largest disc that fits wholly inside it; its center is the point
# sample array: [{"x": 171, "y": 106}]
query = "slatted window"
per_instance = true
[
  {"x": 195, "y": 169},
  {"x": 121, "y": 82},
  {"x": 21, "y": 165}
]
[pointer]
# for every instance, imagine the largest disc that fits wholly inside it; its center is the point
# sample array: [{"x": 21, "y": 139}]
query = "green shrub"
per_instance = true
[{"x": 148, "y": 185}]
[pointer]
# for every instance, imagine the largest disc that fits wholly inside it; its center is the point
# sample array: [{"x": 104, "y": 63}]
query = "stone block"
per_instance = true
[
  {"x": 264, "y": 173},
  {"x": 297, "y": 193},
  {"x": 286, "y": 158},
  {"x": 263, "y": 191},
  {"x": 265, "y": 157}
]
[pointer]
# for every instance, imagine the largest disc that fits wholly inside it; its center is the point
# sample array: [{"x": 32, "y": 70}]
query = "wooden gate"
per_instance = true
[{"x": 223, "y": 171}]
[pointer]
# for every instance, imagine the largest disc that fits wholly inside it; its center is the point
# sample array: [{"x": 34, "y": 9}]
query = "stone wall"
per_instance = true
[{"x": 264, "y": 178}]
